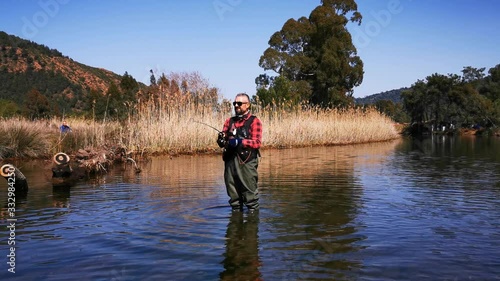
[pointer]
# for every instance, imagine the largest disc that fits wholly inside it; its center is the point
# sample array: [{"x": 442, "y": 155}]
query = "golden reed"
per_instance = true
[{"x": 175, "y": 129}]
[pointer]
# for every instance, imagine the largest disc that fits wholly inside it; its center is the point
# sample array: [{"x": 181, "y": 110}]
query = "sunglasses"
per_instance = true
[{"x": 239, "y": 103}]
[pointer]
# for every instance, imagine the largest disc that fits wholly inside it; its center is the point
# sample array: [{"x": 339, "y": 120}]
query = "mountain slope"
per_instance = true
[
  {"x": 392, "y": 95},
  {"x": 25, "y": 65}
]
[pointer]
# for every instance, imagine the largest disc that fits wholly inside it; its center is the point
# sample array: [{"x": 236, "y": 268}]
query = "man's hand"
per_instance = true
[{"x": 221, "y": 140}]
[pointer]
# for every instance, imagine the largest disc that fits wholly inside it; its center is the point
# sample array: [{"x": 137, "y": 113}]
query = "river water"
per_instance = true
[{"x": 401, "y": 210}]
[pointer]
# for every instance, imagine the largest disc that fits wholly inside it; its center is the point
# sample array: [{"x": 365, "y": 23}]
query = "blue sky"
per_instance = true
[{"x": 399, "y": 41}]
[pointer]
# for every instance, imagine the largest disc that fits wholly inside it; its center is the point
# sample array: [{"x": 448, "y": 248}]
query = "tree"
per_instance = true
[
  {"x": 152, "y": 78},
  {"x": 391, "y": 109},
  {"x": 315, "y": 55},
  {"x": 450, "y": 99},
  {"x": 129, "y": 88},
  {"x": 414, "y": 102},
  {"x": 8, "y": 108},
  {"x": 95, "y": 105},
  {"x": 472, "y": 75},
  {"x": 128, "y": 83},
  {"x": 115, "y": 107},
  {"x": 491, "y": 84},
  {"x": 36, "y": 105}
]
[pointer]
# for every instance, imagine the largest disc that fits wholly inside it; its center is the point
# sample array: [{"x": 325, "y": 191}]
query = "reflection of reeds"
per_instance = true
[
  {"x": 308, "y": 162},
  {"x": 168, "y": 127}
]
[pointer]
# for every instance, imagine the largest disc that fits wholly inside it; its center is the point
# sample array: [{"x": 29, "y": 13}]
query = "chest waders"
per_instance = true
[{"x": 240, "y": 169}]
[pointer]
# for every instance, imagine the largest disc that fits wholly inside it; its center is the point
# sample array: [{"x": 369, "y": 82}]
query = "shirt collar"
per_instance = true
[{"x": 244, "y": 116}]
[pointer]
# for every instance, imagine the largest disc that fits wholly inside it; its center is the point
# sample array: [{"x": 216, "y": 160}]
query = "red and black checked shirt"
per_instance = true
[{"x": 255, "y": 139}]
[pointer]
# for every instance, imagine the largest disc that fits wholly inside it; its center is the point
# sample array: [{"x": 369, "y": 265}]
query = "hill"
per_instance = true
[
  {"x": 27, "y": 66},
  {"x": 392, "y": 95}
]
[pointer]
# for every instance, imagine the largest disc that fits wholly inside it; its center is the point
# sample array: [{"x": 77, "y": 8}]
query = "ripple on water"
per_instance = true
[{"x": 375, "y": 212}]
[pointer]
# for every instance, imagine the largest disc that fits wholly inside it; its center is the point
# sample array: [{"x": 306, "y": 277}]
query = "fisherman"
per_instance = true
[
  {"x": 241, "y": 138},
  {"x": 65, "y": 128}
]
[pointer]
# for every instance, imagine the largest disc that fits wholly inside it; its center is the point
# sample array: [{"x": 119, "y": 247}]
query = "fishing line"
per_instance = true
[{"x": 206, "y": 125}]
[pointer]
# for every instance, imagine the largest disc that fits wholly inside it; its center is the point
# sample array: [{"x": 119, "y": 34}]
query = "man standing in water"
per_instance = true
[{"x": 241, "y": 138}]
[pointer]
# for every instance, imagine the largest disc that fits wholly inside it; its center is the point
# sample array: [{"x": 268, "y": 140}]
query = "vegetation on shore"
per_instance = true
[{"x": 176, "y": 129}]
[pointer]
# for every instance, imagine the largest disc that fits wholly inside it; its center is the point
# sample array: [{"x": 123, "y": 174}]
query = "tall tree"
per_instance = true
[
  {"x": 129, "y": 88},
  {"x": 315, "y": 55},
  {"x": 116, "y": 109},
  {"x": 95, "y": 105},
  {"x": 472, "y": 75},
  {"x": 36, "y": 105}
]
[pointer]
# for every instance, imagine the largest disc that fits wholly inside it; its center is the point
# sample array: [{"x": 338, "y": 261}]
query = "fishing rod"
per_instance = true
[{"x": 206, "y": 125}]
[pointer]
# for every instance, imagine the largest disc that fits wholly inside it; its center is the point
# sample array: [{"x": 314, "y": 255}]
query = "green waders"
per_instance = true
[{"x": 241, "y": 183}]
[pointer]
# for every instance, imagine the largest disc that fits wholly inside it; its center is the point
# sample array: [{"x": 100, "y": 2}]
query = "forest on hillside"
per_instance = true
[
  {"x": 61, "y": 85},
  {"x": 314, "y": 64}
]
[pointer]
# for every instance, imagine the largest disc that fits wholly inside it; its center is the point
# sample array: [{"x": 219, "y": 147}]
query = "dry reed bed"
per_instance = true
[
  {"x": 20, "y": 138},
  {"x": 326, "y": 127},
  {"x": 178, "y": 132}
]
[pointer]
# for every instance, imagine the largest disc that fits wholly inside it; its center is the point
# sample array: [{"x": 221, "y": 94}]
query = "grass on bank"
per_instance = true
[{"x": 156, "y": 132}]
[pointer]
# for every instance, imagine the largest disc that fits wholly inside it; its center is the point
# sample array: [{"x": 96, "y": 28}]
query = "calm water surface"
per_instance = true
[{"x": 402, "y": 210}]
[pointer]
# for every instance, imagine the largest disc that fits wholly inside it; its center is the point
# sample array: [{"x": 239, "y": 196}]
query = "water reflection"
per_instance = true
[
  {"x": 60, "y": 196},
  {"x": 315, "y": 198},
  {"x": 456, "y": 162},
  {"x": 241, "y": 258},
  {"x": 386, "y": 211}
]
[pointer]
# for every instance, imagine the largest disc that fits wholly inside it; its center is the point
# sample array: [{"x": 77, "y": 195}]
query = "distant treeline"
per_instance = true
[
  {"x": 39, "y": 82},
  {"x": 472, "y": 98}
]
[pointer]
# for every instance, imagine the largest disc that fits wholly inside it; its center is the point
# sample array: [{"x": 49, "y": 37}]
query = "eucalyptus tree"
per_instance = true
[{"x": 314, "y": 57}]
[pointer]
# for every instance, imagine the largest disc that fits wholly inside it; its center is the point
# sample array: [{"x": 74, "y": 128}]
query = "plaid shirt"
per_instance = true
[{"x": 255, "y": 139}]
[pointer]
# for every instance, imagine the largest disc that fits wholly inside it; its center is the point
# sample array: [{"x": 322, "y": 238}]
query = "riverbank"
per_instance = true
[{"x": 182, "y": 133}]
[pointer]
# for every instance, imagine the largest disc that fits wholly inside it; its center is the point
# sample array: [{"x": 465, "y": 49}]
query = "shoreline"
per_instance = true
[{"x": 156, "y": 132}]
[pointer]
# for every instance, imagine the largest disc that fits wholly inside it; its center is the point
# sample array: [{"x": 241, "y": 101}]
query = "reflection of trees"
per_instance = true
[
  {"x": 445, "y": 179},
  {"x": 241, "y": 259},
  {"x": 449, "y": 159},
  {"x": 316, "y": 196}
]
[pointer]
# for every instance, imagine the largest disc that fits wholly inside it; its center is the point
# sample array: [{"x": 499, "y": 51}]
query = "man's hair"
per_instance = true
[{"x": 243, "y": 95}]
